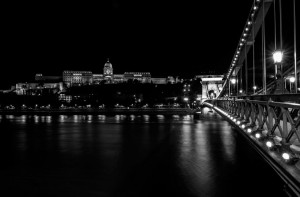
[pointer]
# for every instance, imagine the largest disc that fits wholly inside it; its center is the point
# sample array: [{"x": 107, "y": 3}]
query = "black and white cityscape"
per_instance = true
[
  {"x": 84, "y": 89},
  {"x": 150, "y": 98}
]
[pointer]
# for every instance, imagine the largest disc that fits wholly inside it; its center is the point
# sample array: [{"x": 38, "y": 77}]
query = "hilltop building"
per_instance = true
[{"x": 71, "y": 78}]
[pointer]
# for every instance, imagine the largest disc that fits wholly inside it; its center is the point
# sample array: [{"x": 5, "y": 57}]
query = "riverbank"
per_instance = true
[{"x": 149, "y": 111}]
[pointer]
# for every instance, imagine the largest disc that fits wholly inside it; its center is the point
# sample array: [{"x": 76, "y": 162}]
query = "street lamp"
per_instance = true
[
  {"x": 254, "y": 88},
  {"x": 233, "y": 81},
  {"x": 292, "y": 80},
  {"x": 277, "y": 57}
]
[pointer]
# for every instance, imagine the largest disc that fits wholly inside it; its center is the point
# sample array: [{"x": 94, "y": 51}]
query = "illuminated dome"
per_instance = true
[
  {"x": 108, "y": 70},
  {"x": 108, "y": 64}
]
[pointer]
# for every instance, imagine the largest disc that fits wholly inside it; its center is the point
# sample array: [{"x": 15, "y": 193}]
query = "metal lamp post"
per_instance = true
[
  {"x": 277, "y": 57},
  {"x": 292, "y": 80},
  {"x": 232, "y": 81}
]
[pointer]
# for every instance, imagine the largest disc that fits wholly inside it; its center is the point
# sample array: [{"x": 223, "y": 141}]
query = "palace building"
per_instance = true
[{"x": 71, "y": 78}]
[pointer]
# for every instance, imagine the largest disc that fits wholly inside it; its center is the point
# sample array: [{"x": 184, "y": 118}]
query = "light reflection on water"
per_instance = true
[
  {"x": 128, "y": 148},
  {"x": 102, "y": 118},
  {"x": 160, "y": 118},
  {"x": 132, "y": 117},
  {"x": 195, "y": 157},
  {"x": 146, "y": 118}
]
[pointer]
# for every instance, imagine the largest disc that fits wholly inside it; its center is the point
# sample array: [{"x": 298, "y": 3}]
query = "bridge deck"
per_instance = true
[{"x": 288, "y": 171}]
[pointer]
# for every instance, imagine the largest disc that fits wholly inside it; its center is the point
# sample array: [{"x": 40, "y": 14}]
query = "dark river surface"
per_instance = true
[{"x": 130, "y": 155}]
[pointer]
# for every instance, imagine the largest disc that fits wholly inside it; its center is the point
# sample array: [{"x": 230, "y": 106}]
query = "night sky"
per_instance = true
[{"x": 180, "y": 38}]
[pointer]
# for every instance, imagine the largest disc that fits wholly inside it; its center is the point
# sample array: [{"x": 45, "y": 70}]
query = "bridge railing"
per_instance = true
[{"x": 276, "y": 122}]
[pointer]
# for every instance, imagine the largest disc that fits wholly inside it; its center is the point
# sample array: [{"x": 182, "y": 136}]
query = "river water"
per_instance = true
[{"x": 130, "y": 155}]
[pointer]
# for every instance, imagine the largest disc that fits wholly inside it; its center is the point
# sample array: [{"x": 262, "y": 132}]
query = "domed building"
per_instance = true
[{"x": 108, "y": 72}]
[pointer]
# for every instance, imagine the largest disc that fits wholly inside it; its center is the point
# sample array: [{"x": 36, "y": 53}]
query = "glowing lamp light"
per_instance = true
[
  {"x": 257, "y": 135},
  {"x": 249, "y": 23},
  {"x": 238, "y": 122},
  {"x": 243, "y": 126},
  {"x": 269, "y": 144},
  {"x": 249, "y": 130},
  {"x": 234, "y": 119},
  {"x": 246, "y": 29},
  {"x": 277, "y": 57},
  {"x": 255, "y": 7},
  {"x": 241, "y": 91},
  {"x": 233, "y": 81},
  {"x": 292, "y": 79},
  {"x": 254, "y": 87},
  {"x": 185, "y": 99},
  {"x": 285, "y": 156}
]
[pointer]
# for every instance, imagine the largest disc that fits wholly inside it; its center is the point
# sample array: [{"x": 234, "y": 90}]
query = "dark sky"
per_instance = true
[{"x": 162, "y": 37}]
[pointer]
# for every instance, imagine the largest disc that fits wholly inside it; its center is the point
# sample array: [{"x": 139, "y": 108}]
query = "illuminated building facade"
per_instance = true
[
  {"x": 108, "y": 74},
  {"x": 119, "y": 78},
  {"x": 76, "y": 78},
  {"x": 41, "y": 78},
  {"x": 38, "y": 88},
  {"x": 71, "y": 78},
  {"x": 97, "y": 78},
  {"x": 142, "y": 77},
  {"x": 159, "y": 80}
]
